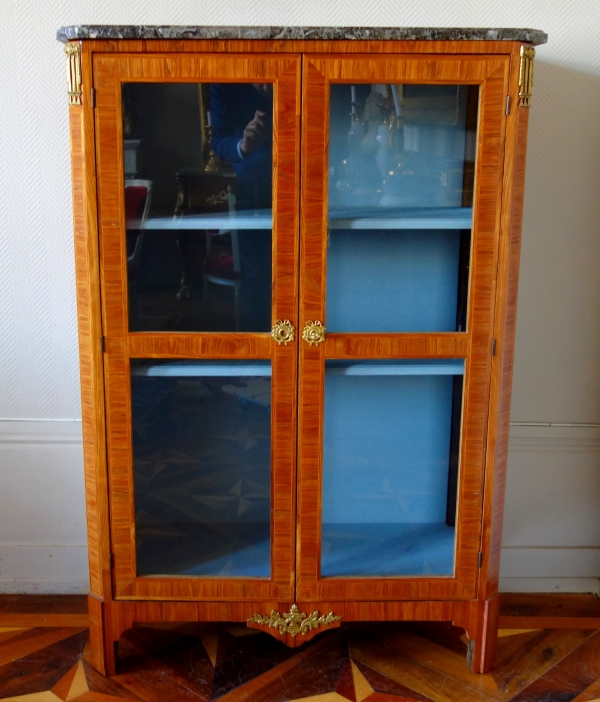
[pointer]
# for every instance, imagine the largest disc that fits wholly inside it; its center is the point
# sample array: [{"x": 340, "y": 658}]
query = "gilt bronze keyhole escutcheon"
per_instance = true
[
  {"x": 314, "y": 333},
  {"x": 283, "y": 332}
]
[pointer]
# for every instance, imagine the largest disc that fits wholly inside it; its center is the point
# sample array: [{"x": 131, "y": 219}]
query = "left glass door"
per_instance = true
[{"x": 197, "y": 182}]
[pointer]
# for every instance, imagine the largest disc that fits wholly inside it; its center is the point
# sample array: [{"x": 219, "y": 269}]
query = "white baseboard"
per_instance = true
[
  {"x": 43, "y": 569},
  {"x": 551, "y": 537},
  {"x": 557, "y": 585},
  {"x": 44, "y": 587},
  {"x": 552, "y": 496},
  {"x": 42, "y": 508},
  {"x": 550, "y": 570}
]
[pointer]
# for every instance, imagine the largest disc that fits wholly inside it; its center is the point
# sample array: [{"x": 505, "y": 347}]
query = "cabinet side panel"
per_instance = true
[
  {"x": 504, "y": 332},
  {"x": 90, "y": 329}
]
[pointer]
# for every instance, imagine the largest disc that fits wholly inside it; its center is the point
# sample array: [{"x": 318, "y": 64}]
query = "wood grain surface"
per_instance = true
[
  {"x": 444, "y": 345},
  {"x": 87, "y": 269},
  {"x": 303, "y": 47},
  {"x": 507, "y": 281}
]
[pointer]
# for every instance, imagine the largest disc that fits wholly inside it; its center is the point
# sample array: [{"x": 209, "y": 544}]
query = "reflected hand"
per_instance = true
[{"x": 255, "y": 133}]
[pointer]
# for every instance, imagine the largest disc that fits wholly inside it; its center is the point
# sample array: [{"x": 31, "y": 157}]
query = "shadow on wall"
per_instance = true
[
  {"x": 557, "y": 376},
  {"x": 551, "y": 540}
]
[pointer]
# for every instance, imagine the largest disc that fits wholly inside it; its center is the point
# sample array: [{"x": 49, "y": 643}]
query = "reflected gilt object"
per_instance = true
[
  {"x": 314, "y": 333},
  {"x": 373, "y": 119},
  {"x": 131, "y": 146},
  {"x": 210, "y": 161},
  {"x": 178, "y": 212},
  {"x": 127, "y": 112},
  {"x": 283, "y": 332},
  {"x": 526, "y": 75},
  {"x": 73, "y": 54},
  {"x": 294, "y": 622},
  {"x": 218, "y": 198}
]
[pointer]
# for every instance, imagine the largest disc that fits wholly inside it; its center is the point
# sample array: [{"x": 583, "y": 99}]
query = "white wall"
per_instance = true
[{"x": 552, "y": 534}]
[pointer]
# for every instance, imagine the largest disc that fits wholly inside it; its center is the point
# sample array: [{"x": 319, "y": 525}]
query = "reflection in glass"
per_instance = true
[
  {"x": 401, "y": 174},
  {"x": 199, "y": 259},
  {"x": 201, "y": 467},
  {"x": 390, "y": 467}
]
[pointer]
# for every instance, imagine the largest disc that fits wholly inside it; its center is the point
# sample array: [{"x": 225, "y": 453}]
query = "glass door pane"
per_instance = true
[
  {"x": 202, "y": 467},
  {"x": 390, "y": 467},
  {"x": 198, "y": 167},
  {"x": 401, "y": 170}
]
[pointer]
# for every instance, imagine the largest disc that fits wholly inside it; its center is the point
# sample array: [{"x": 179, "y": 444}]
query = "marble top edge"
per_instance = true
[{"x": 116, "y": 31}]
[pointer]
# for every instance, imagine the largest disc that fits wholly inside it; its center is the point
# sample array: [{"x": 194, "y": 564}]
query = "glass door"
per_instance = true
[
  {"x": 197, "y": 173},
  {"x": 400, "y": 218}
]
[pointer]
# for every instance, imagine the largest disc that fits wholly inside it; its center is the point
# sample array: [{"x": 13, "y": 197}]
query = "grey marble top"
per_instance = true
[{"x": 115, "y": 31}]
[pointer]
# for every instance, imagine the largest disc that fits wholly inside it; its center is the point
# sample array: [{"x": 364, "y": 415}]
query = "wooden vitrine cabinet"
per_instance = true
[{"x": 297, "y": 265}]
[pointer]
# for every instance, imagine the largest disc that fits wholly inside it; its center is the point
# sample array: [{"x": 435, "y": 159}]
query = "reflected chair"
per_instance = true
[
  {"x": 224, "y": 268},
  {"x": 210, "y": 192},
  {"x": 138, "y": 194}
]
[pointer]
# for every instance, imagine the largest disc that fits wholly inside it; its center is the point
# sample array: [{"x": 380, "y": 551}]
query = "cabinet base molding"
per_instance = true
[
  {"x": 294, "y": 623},
  {"x": 110, "y": 619}
]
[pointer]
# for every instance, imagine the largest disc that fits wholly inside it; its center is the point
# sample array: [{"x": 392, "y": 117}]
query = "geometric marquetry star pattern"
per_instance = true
[
  {"x": 202, "y": 477},
  {"x": 356, "y": 663}
]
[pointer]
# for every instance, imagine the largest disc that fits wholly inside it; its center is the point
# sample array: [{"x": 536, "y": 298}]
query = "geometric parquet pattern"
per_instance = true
[{"x": 371, "y": 662}]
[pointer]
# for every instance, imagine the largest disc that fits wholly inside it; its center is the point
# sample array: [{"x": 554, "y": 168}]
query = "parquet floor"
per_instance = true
[{"x": 45, "y": 657}]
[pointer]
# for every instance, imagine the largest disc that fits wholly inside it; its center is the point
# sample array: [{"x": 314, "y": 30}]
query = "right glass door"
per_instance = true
[{"x": 402, "y": 171}]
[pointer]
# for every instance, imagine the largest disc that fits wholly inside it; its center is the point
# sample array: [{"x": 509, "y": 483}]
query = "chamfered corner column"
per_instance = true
[
  {"x": 108, "y": 620},
  {"x": 103, "y": 648},
  {"x": 482, "y": 649}
]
